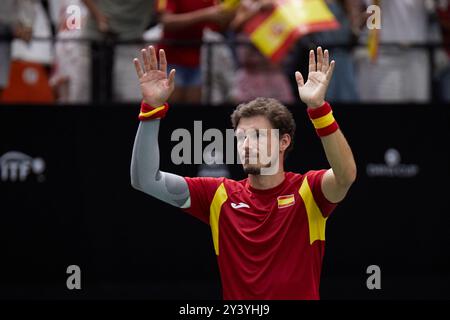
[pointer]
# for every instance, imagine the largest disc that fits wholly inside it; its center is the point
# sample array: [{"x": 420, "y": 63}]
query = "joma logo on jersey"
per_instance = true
[
  {"x": 285, "y": 201},
  {"x": 239, "y": 205}
]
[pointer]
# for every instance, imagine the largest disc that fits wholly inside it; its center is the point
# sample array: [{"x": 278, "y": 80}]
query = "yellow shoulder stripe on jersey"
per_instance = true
[
  {"x": 316, "y": 220},
  {"x": 214, "y": 212}
]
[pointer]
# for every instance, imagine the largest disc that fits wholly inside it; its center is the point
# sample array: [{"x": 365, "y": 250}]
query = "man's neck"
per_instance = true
[{"x": 263, "y": 182}]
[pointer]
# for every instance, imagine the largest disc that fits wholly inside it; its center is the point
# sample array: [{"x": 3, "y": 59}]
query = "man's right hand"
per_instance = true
[{"x": 156, "y": 87}]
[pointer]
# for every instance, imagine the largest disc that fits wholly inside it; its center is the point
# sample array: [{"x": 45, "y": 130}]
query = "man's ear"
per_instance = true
[{"x": 285, "y": 142}]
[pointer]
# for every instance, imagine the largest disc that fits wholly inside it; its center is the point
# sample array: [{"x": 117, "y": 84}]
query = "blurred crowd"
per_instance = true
[{"x": 81, "y": 51}]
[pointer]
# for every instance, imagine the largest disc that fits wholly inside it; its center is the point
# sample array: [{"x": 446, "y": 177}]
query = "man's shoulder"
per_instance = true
[
  {"x": 235, "y": 184},
  {"x": 293, "y": 176},
  {"x": 215, "y": 182},
  {"x": 309, "y": 173},
  {"x": 312, "y": 175}
]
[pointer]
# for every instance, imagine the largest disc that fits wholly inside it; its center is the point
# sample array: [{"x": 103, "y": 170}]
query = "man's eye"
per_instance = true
[{"x": 262, "y": 133}]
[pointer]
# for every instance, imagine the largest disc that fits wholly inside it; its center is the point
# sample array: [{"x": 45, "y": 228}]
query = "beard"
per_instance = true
[
  {"x": 255, "y": 169},
  {"x": 252, "y": 169}
]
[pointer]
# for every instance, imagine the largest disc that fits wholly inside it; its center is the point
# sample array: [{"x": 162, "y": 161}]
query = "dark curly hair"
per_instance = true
[{"x": 278, "y": 115}]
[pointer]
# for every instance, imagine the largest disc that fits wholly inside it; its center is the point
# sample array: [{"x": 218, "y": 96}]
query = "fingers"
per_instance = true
[
  {"x": 137, "y": 66},
  {"x": 172, "y": 78},
  {"x": 162, "y": 61},
  {"x": 326, "y": 61},
  {"x": 319, "y": 59},
  {"x": 153, "y": 59},
  {"x": 330, "y": 70},
  {"x": 299, "y": 78},
  {"x": 312, "y": 61},
  {"x": 323, "y": 61},
  {"x": 146, "y": 60}
]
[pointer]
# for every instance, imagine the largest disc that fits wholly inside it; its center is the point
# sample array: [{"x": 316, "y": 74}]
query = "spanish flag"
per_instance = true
[
  {"x": 285, "y": 201},
  {"x": 373, "y": 41},
  {"x": 275, "y": 31},
  {"x": 230, "y": 4}
]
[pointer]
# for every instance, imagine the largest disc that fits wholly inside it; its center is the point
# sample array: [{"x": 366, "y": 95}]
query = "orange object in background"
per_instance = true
[{"x": 28, "y": 83}]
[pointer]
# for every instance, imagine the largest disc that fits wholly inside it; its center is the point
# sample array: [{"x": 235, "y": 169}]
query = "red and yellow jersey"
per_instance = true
[{"x": 269, "y": 243}]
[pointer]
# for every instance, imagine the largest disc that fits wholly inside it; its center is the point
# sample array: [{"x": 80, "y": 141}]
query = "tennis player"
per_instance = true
[{"x": 268, "y": 230}]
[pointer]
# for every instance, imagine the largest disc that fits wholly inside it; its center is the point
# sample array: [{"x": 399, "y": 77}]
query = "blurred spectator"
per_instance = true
[
  {"x": 256, "y": 76},
  {"x": 183, "y": 22},
  {"x": 32, "y": 60},
  {"x": 343, "y": 85},
  {"x": 401, "y": 73},
  {"x": 16, "y": 21},
  {"x": 219, "y": 72},
  {"x": 70, "y": 79},
  {"x": 343, "y": 88},
  {"x": 112, "y": 20},
  {"x": 443, "y": 11}
]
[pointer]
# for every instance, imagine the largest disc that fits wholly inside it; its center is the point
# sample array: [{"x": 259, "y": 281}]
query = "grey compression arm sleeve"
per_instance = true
[{"x": 145, "y": 173}]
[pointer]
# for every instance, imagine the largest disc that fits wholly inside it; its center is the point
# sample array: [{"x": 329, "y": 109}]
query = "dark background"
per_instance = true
[{"x": 83, "y": 210}]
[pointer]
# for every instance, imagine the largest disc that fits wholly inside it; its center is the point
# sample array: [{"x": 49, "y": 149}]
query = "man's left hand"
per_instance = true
[{"x": 312, "y": 93}]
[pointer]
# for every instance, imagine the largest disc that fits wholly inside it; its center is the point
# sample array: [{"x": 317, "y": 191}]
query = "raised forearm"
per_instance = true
[
  {"x": 145, "y": 173},
  {"x": 340, "y": 157},
  {"x": 247, "y": 10},
  {"x": 92, "y": 7},
  {"x": 145, "y": 157},
  {"x": 156, "y": 88},
  {"x": 242, "y": 16}
]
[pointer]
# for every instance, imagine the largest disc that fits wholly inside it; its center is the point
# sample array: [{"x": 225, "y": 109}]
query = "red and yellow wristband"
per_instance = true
[
  {"x": 323, "y": 120},
  {"x": 149, "y": 112}
]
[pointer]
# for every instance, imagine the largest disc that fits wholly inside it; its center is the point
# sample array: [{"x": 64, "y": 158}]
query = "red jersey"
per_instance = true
[
  {"x": 269, "y": 243},
  {"x": 188, "y": 55}
]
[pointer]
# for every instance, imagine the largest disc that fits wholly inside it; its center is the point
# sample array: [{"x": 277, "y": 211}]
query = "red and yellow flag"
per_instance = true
[
  {"x": 275, "y": 31},
  {"x": 230, "y": 4},
  {"x": 373, "y": 41},
  {"x": 286, "y": 201}
]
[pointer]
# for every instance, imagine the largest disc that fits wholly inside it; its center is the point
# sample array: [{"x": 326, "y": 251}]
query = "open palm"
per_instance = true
[
  {"x": 312, "y": 93},
  {"x": 156, "y": 87}
]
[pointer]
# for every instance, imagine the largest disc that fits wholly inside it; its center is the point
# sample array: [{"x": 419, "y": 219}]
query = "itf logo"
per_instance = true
[{"x": 17, "y": 166}]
